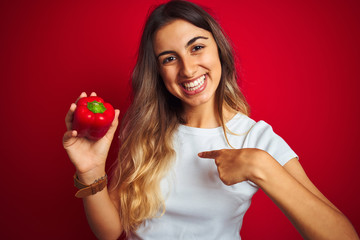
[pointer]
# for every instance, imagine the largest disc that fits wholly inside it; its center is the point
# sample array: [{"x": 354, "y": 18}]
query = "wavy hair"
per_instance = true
[{"x": 146, "y": 152}]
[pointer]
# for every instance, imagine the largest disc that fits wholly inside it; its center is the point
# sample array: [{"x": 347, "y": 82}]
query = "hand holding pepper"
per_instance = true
[
  {"x": 92, "y": 117},
  {"x": 88, "y": 156}
]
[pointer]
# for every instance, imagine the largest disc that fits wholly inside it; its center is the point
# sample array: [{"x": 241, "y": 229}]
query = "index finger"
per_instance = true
[
  {"x": 82, "y": 95},
  {"x": 209, "y": 154}
]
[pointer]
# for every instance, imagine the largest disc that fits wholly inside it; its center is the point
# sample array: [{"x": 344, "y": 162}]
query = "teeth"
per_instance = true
[{"x": 192, "y": 86}]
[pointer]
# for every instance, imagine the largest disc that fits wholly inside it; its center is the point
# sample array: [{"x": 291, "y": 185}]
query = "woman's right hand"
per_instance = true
[{"x": 88, "y": 156}]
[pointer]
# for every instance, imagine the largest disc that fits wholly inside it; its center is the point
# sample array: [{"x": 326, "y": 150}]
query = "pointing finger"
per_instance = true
[{"x": 209, "y": 154}]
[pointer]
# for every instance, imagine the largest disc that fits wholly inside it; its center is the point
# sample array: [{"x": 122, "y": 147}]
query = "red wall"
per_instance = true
[{"x": 300, "y": 65}]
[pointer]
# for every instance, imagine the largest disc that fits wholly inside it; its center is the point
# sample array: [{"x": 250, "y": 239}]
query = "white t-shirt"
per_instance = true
[{"x": 198, "y": 204}]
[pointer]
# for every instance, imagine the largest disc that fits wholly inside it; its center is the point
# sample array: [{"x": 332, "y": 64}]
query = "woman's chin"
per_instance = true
[{"x": 199, "y": 101}]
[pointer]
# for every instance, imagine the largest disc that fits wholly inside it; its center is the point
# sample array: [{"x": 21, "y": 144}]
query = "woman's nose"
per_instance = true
[{"x": 188, "y": 68}]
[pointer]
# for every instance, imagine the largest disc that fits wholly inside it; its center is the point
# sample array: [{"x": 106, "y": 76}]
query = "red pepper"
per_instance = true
[{"x": 92, "y": 117}]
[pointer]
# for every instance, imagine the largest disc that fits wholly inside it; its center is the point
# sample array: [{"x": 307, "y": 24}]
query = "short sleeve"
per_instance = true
[{"x": 262, "y": 136}]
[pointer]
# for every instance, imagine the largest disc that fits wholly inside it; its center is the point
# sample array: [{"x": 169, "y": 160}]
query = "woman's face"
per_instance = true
[{"x": 189, "y": 62}]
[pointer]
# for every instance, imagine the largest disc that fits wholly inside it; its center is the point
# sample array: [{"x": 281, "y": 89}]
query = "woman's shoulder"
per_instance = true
[
  {"x": 240, "y": 121},
  {"x": 244, "y": 121},
  {"x": 244, "y": 125}
]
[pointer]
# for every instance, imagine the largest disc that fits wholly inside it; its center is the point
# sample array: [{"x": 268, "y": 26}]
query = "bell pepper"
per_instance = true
[{"x": 92, "y": 117}]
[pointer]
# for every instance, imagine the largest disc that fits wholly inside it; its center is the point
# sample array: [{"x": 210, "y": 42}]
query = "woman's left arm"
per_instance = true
[{"x": 312, "y": 214}]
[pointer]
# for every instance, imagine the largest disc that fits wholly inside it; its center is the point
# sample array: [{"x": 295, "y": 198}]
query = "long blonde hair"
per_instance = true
[{"x": 146, "y": 153}]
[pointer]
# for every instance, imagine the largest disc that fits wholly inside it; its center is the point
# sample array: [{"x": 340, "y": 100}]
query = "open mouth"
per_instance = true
[{"x": 194, "y": 85}]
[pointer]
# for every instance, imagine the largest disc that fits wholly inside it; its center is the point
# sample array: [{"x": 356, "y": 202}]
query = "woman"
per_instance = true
[{"x": 190, "y": 157}]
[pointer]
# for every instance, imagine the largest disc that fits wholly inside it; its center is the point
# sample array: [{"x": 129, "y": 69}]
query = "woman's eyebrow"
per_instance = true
[
  {"x": 191, "y": 41},
  {"x": 164, "y": 53}
]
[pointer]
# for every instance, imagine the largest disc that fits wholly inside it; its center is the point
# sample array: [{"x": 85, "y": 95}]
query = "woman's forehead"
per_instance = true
[{"x": 177, "y": 34}]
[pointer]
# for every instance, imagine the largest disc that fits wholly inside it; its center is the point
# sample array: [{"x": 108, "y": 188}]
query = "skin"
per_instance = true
[{"x": 182, "y": 59}]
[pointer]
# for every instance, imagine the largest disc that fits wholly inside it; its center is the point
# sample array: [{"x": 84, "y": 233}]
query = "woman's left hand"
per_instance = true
[
  {"x": 236, "y": 165},
  {"x": 289, "y": 188}
]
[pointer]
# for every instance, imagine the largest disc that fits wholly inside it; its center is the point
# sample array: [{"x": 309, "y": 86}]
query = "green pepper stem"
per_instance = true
[{"x": 96, "y": 107}]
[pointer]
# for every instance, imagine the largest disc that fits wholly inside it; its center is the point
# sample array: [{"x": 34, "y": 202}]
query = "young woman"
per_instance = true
[{"x": 190, "y": 157}]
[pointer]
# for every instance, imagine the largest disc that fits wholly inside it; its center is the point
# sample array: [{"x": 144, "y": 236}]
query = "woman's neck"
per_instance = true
[{"x": 206, "y": 116}]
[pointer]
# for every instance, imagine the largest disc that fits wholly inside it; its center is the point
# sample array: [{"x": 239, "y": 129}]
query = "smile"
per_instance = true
[{"x": 195, "y": 84}]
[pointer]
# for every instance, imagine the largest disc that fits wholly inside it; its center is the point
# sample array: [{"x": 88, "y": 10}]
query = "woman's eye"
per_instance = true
[
  {"x": 169, "y": 59},
  {"x": 197, "y": 48}
]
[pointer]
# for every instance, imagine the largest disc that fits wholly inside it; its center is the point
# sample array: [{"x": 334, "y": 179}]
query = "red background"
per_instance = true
[{"x": 300, "y": 65}]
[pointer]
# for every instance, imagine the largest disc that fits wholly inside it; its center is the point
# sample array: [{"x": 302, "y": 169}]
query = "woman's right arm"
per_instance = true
[{"x": 89, "y": 158}]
